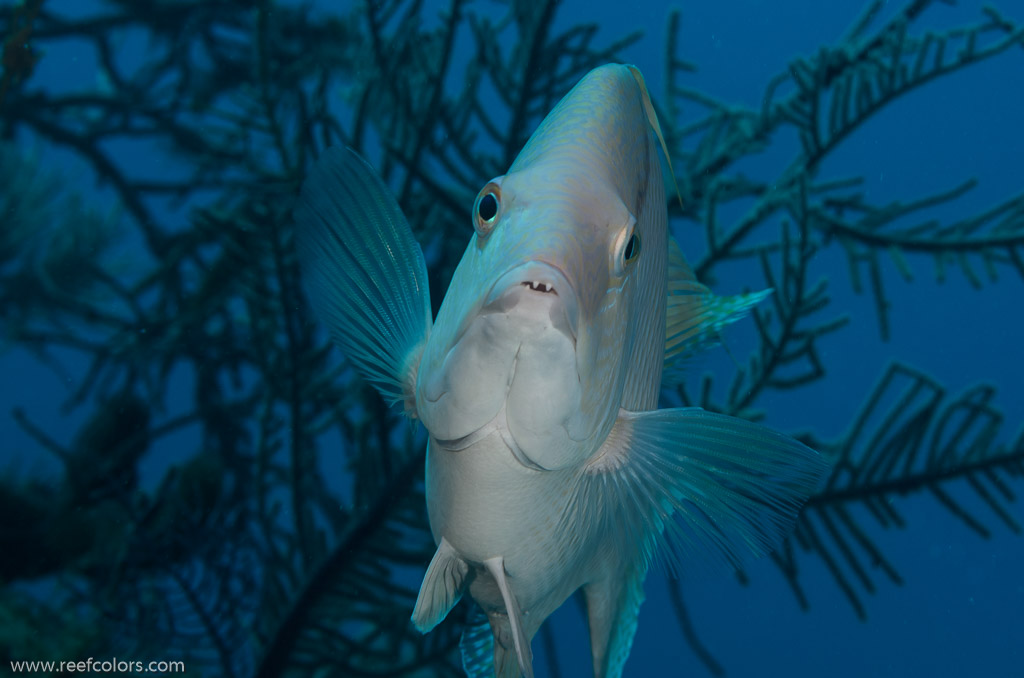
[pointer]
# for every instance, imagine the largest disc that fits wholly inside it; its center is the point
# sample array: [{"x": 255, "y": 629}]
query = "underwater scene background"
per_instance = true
[{"x": 191, "y": 472}]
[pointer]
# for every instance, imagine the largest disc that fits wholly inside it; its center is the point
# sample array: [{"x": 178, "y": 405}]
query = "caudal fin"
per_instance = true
[{"x": 694, "y": 315}]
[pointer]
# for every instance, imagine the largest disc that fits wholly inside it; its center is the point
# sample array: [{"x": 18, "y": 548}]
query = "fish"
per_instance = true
[{"x": 550, "y": 468}]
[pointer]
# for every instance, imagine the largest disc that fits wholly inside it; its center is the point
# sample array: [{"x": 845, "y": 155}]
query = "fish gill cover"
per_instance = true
[{"x": 226, "y": 491}]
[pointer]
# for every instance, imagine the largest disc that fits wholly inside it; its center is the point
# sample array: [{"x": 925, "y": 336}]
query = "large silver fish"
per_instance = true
[{"x": 549, "y": 466}]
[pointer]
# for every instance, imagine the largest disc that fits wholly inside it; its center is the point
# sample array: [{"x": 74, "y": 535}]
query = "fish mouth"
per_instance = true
[
  {"x": 537, "y": 281},
  {"x": 538, "y": 286}
]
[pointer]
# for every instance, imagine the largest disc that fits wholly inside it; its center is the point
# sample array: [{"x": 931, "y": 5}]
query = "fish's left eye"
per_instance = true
[
  {"x": 632, "y": 250},
  {"x": 487, "y": 209}
]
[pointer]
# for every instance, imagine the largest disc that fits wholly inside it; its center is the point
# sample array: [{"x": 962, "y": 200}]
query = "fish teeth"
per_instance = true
[{"x": 540, "y": 286}]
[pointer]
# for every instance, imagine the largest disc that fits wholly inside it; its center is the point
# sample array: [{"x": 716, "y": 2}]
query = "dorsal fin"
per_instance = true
[{"x": 652, "y": 117}]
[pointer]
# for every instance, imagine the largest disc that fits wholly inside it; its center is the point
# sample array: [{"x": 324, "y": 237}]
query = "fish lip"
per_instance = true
[
  {"x": 543, "y": 278},
  {"x": 472, "y": 438}
]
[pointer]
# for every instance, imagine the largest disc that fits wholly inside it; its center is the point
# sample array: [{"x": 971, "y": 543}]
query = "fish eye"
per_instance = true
[
  {"x": 632, "y": 250},
  {"x": 486, "y": 209}
]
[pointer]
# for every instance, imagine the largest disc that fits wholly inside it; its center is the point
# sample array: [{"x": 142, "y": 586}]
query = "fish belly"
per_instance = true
[{"x": 487, "y": 505}]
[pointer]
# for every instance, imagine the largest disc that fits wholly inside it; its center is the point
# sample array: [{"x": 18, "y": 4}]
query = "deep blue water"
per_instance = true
[{"x": 961, "y": 610}]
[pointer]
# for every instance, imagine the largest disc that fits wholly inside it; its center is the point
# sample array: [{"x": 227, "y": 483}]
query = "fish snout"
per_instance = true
[{"x": 536, "y": 288}]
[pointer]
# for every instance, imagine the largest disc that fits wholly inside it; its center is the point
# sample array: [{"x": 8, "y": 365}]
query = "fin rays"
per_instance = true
[
  {"x": 733, "y": 486},
  {"x": 496, "y": 566},
  {"x": 363, "y": 269},
  {"x": 694, "y": 315},
  {"x": 441, "y": 588},
  {"x": 476, "y": 645}
]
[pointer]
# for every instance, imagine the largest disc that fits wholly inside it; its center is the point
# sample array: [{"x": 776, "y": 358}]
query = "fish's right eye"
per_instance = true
[{"x": 487, "y": 209}]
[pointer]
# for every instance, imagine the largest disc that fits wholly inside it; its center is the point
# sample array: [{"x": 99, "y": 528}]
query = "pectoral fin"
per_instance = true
[
  {"x": 734, "y": 487},
  {"x": 364, "y": 271},
  {"x": 694, "y": 315},
  {"x": 441, "y": 589}
]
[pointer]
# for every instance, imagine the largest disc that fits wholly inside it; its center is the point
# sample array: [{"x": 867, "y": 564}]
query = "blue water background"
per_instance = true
[{"x": 961, "y": 610}]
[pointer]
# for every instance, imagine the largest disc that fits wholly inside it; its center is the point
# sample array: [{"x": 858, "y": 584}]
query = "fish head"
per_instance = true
[{"x": 535, "y": 334}]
